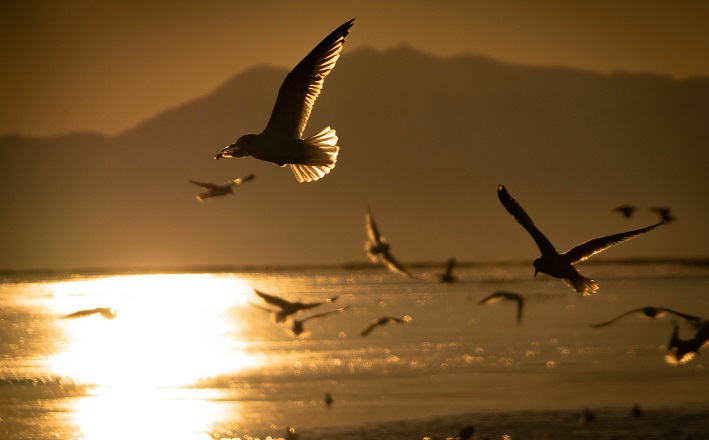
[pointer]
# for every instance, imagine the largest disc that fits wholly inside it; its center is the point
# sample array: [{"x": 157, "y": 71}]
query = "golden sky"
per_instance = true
[{"x": 105, "y": 66}]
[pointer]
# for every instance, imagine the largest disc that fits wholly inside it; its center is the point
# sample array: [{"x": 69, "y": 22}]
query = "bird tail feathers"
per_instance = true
[
  {"x": 582, "y": 285},
  {"x": 320, "y": 159}
]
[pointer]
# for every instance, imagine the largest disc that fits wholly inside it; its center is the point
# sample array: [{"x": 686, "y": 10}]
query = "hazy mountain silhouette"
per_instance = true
[{"x": 424, "y": 140}]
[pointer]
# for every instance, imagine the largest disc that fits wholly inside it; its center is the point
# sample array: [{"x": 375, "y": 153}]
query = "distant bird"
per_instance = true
[
  {"x": 288, "y": 308},
  {"x": 561, "y": 265},
  {"x": 297, "y": 327},
  {"x": 447, "y": 275},
  {"x": 588, "y": 416},
  {"x": 377, "y": 247},
  {"x": 636, "y": 411},
  {"x": 664, "y": 213},
  {"x": 466, "y": 432},
  {"x": 105, "y": 312},
  {"x": 509, "y": 296},
  {"x": 385, "y": 320},
  {"x": 682, "y": 351},
  {"x": 281, "y": 142},
  {"x": 215, "y": 190},
  {"x": 650, "y": 312},
  {"x": 329, "y": 400},
  {"x": 626, "y": 210}
]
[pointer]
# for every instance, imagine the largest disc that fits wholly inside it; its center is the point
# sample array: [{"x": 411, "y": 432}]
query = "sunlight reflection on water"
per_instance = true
[{"x": 170, "y": 331}]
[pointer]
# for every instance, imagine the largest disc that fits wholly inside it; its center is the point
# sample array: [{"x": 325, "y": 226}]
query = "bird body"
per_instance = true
[
  {"x": 281, "y": 142},
  {"x": 559, "y": 265}
]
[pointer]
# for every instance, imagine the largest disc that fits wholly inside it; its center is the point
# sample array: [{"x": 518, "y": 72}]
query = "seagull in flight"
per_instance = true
[
  {"x": 650, "y": 312},
  {"x": 377, "y": 247},
  {"x": 297, "y": 328},
  {"x": 507, "y": 296},
  {"x": 215, "y": 190},
  {"x": 104, "y": 312},
  {"x": 384, "y": 320},
  {"x": 682, "y": 351},
  {"x": 447, "y": 275},
  {"x": 626, "y": 210},
  {"x": 561, "y": 265},
  {"x": 664, "y": 213},
  {"x": 287, "y": 308},
  {"x": 281, "y": 142}
]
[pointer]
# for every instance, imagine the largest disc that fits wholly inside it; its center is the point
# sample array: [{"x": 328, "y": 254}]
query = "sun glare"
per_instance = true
[{"x": 169, "y": 330}]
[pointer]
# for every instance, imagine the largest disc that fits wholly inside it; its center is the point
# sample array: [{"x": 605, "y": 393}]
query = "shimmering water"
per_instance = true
[{"x": 189, "y": 356}]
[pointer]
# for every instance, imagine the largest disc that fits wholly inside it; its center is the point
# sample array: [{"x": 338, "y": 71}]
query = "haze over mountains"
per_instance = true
[{"x": 424, "y": 141}]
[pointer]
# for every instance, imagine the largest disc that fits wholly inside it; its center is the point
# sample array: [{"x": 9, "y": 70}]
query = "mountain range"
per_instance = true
[{"x": 424, "y": 143}]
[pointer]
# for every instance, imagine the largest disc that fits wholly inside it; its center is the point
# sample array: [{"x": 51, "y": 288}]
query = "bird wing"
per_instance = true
[
  {"x": 320, "y": 315},
  {"x": 81, "y": 313},
  {"x": 394, "y": 265},
  {"x": 592, "y": 247},
  {"x": 274, "y": 300},
  {"x": 603, "y": 324},
  {"x": 204, "y": 184},
  {"x": 240, "y": 180},
  {"x": 523, "y": 219},
  {"x": 681, "y": 315},
  {"x": 492, "y": 298},
  {"x": 372, "y": 230},
  {"x": 303, "y": 84}
]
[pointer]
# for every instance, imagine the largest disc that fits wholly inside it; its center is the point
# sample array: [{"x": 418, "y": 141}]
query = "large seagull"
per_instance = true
[
  {"x": 561, "y": 265},
  {"x": 281, "y": 142}
]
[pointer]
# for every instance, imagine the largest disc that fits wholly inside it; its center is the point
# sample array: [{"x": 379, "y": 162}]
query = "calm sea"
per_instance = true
[{"x": 191, "y": 356}]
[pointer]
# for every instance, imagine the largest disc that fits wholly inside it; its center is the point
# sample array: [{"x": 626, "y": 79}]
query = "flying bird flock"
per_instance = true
[{"x": 310, "y": 158}]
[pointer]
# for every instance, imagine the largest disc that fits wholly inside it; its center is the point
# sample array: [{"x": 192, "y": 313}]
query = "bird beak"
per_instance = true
[{"x": 535, "y": 272}]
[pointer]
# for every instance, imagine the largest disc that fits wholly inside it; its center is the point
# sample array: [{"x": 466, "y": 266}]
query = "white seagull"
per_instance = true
[
  {"x": 377, "y": 247},
  {"x": 215, "y": 190},
  {"x": 281, "y": 142},
  {"x": 561, "y": 265}
]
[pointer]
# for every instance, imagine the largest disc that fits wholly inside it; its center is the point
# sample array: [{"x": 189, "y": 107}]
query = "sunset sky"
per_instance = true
[{"x": 105, "y": 66}]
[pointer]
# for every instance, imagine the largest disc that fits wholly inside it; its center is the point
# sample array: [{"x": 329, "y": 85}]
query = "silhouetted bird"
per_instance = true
[
  {"x": 509, "y": 296},
  {"x": 664, "y": 213},
  {"x": 626, "y": 210},
  {"x": 561, "y": 265},
  {"x": 466, "y": 432},
  {"x": 385, "y": 320},
  {"x": 329, "y": 400},
  {"x": 588, "y": 416},
  {"x": 287, "y": 308},
  {"x": 105, "y": 312},
  {"x": 636, "y": 411},
  {"x": 281, "y": 142},
  {"x": 297, "y": 328},
  {"x": 650, "y": 312},
  {"x": 215, "y": 190},
  {"x": 682, "y": 351},
  {"x": 447, "y": 275},
  {"x": 377, "y": 247}
]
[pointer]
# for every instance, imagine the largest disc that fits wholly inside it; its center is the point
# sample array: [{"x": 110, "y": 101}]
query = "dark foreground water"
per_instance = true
[{"x": 189, "y": 356}]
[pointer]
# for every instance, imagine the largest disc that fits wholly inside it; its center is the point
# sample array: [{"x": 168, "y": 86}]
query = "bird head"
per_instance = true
[
  {"x": 537, "y": 266},
  {"x": 238, "y": 148}
]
